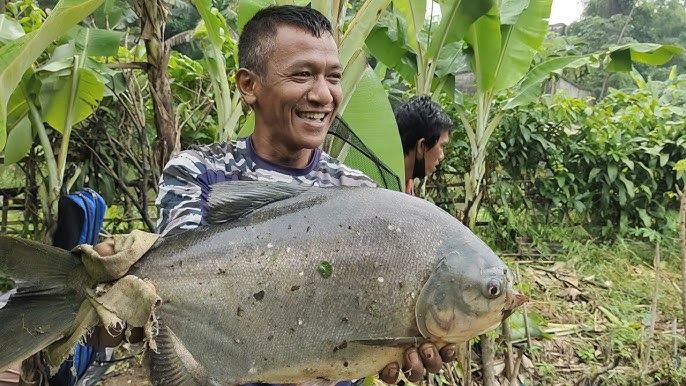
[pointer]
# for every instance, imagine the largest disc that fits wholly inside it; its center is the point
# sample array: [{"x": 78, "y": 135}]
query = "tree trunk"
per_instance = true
[
  {"x": 153, "y": 17},
  {"x": 487, "y": 359}
]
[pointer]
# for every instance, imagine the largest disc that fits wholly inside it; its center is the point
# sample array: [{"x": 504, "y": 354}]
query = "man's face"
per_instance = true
[
  {"x": 297, "y": 98},
  {"x": 433, "y": 156}
]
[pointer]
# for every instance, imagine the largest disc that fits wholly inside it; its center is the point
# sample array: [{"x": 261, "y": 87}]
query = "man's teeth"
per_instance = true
[{"x": 318, "y": 116}]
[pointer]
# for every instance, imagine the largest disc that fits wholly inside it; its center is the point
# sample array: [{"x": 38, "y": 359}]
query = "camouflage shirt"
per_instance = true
[{"x": 186, "y": 179}]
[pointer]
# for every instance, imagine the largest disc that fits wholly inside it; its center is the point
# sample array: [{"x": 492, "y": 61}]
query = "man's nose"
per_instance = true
[{"x": 320, "y": 92}]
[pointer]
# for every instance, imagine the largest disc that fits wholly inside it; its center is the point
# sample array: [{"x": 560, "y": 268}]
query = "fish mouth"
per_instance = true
[{"x": 513, "y": 303}]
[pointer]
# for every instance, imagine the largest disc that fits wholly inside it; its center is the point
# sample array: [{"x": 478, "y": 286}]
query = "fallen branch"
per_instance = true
[
  {"x": 676, "y": 287},
  {"x": 550, "y": 262},
  {"x": 595, "y": 283},
  {"x": 593, "y": 377},
  {"x": 518, "y": 363},
  {"x": 556, "y": 275}
]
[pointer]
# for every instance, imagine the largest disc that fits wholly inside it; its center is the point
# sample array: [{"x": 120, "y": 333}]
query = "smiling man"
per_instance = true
[{"x": 290, "y": 76}]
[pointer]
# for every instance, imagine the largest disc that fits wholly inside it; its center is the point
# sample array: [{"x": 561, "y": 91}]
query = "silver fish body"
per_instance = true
[
  {"x": 252, "y": 300},
  {"x": 286, "y": 284}
]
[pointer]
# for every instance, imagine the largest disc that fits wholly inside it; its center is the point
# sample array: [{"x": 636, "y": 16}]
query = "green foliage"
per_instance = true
[
  {"x": 608, "y": 166},
  {"x": 194, "y": 107},
  {"x": 17, "y": 56},
  {"x": 608, "y": 22},
  {"x": 608, "y": 8},
  {"x": 427, "y": 55},
  {"x": 21, "y": 138},
  {"x": 221, "y": 54},
  {"x": 586, "y": 352},
  {"x": 608, "y": 169},
  {"x": 58, "y": 104}
]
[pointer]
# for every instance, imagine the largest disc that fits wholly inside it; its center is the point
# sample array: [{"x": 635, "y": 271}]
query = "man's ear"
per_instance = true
[
  {"x": 420, "y": 148},
  {"x": 246, "y": 81}
]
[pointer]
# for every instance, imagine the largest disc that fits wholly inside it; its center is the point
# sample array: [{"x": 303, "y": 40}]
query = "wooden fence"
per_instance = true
[
  {"x": 19, "y": 212},
  {"x": 21, "y": 215}
]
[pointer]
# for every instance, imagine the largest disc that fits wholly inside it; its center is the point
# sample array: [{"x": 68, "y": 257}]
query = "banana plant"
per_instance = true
[
  {"x": 227, "y": 100},
  {"x": 62, "y": 91},
  {"x": 426, "y": 55},
  {"x": 19, "y": 55},
  {"x": 502, "y": 45}
]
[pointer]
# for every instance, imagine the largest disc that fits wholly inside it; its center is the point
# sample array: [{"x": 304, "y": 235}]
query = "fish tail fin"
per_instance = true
[{"x": 47, "y": 297}]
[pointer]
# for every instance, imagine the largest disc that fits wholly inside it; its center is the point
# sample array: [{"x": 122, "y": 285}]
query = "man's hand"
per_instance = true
[
  {"x": 105, "y": 248},
  {"x": 425, "y": 357},
  {"x": 100, "y": 336}
]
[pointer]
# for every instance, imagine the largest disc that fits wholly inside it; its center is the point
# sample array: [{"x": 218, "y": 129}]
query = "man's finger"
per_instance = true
[
  {"x": 105, "y": 248},
  {"x": 390, "y": 373},
  {"x": 413, "y": 366},
  {"x": 448, "y": 353},
  {"x": 432, "y": 361}
]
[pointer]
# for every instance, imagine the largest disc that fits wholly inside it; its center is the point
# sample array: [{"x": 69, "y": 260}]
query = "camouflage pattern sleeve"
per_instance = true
[{"x": 179, "y": 196}]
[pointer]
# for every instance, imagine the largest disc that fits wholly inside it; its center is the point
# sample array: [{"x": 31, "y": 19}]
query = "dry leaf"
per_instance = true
[{"x": 570, "y": 293}]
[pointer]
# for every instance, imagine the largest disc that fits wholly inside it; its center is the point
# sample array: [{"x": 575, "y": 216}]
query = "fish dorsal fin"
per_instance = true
[{"x": 235, "y": 199}]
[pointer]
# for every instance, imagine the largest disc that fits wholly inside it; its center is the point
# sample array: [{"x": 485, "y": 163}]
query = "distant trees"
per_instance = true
[{"x": 610, "y": 22}]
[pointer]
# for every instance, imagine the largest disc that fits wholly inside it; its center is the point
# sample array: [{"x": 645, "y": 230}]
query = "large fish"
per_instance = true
[{"x": 286, "y": 284}]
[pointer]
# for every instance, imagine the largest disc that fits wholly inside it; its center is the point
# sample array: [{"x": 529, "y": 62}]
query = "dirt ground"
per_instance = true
[{"x": 126, "y": 373}]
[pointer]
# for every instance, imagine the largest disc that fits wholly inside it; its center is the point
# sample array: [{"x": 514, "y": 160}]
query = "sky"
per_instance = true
[{"x": 564, "y": 11}]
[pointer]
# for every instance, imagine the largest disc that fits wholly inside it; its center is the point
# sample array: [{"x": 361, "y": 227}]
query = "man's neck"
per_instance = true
[
  {"x": 278, "y": 154},
  {"x": 409, "y": 166}
]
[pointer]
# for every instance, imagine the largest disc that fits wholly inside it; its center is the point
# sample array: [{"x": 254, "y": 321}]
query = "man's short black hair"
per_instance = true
[
  {"x": 256, "y": 42},
  {"x": 421, "y": 117}
]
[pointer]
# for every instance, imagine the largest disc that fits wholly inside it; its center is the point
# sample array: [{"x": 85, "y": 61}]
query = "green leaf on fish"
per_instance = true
[
  {"x": 325, "y": 269},
  {"x": 369, "y": 381}
]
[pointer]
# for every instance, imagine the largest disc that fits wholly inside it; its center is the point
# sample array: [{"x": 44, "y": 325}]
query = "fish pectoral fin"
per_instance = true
[
  {"x": 172, "y": 364},
  {"x": 392, "y": 342},
  {"x": 234, "y": 199}
]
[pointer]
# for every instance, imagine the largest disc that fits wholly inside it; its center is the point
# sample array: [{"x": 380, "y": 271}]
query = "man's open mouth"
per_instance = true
[{"x": 312, "y": 116}]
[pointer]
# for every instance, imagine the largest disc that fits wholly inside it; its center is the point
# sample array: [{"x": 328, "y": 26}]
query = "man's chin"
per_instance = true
[{"x": 313, "y": 137}]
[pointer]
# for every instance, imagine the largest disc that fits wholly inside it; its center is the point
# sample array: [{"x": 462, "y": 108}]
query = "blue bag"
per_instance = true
[{"x": 79, "y": 220}]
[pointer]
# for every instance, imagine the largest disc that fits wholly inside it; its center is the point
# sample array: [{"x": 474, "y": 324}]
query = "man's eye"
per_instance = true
[{"x": 303, "y": 74}]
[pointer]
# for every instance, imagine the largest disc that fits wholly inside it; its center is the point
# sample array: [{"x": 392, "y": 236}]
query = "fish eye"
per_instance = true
[{"x": 493, "y": 288}]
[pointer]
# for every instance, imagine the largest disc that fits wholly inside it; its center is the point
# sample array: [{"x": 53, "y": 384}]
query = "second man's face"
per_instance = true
[
  {"x": 299, "y": 95},
  {"x": 435, "y": 155}
]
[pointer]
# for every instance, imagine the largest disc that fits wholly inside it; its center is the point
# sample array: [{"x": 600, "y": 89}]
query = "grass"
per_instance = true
[{"x": 595, "y": 302}]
